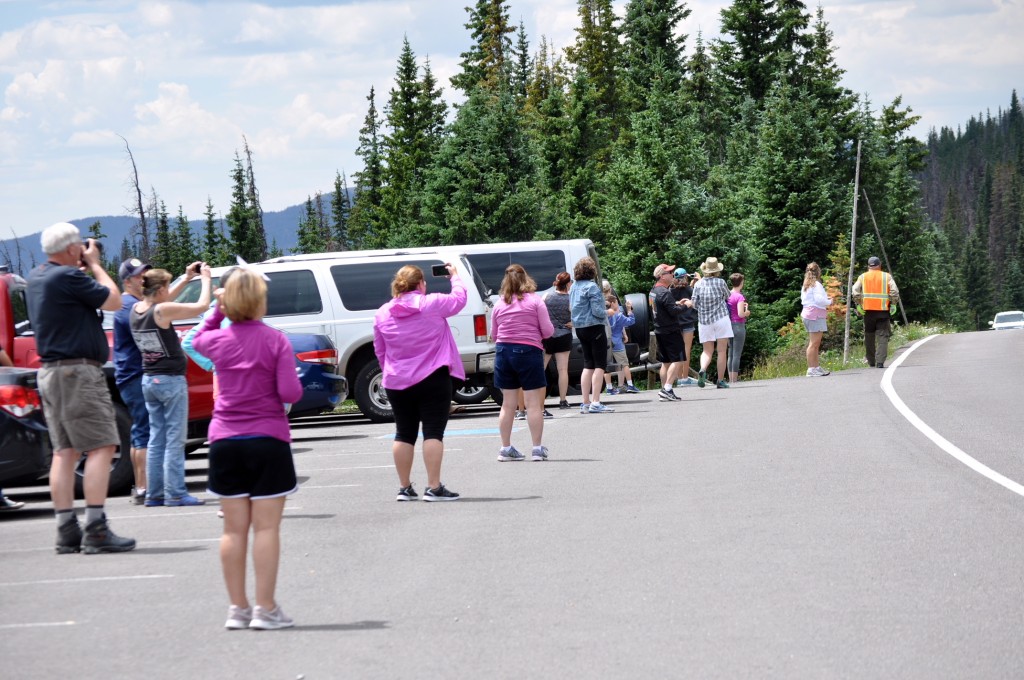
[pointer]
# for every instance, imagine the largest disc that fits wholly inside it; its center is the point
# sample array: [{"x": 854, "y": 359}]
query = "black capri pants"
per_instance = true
[
  {"x": 427, "y": 402},
  {"x": 594, "y": 343}
]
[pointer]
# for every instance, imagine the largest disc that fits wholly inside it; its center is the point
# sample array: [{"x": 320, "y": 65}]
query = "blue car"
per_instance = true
[{"x": 315, "y": 361}]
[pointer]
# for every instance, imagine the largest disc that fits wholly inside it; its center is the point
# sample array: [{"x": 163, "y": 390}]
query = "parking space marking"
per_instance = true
[
  {"x": 145, "y": 543},
  {"x": 936, "y": 438},
  {"x": 48, "y": 624},
  {"x": 358, "y": 467},
  {"x": 85, "y": 579},
  {"x": 330, "y": 486},
  {"x": 332, "y": 455}
]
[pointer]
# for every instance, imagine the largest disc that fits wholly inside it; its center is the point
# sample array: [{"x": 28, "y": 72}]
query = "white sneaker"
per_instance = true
[
  {"x": 274, "y": 619},
  {"x": 239, "y": 618}
]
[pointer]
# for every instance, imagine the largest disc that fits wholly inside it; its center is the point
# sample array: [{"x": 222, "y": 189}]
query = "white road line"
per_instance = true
[
  {"x": 38, "y": 625},
  {"x": 85, "y": 580},
  {"x": 936, "y": 438},
  {"x": 145, "y": 544}
]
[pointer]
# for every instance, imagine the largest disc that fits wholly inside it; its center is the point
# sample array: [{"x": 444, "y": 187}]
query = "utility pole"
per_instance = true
[{"x": 853, "y": 248}]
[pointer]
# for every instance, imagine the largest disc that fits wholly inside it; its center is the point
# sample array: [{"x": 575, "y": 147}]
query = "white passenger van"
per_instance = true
[{"x": 337, "y": 294}]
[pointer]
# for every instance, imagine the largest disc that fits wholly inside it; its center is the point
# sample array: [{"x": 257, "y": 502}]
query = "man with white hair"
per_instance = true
[{"x": 62, "y": 305}]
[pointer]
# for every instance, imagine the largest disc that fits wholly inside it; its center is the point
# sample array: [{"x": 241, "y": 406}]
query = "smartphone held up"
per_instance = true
[{"x": 439, "y": 270}]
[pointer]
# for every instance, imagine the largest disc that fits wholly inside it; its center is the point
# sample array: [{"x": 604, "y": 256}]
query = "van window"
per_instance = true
[
  {"x": 367, "y": 286},
  {"x": 542, "y": 265},
  {"x": 293, "y": 292}
]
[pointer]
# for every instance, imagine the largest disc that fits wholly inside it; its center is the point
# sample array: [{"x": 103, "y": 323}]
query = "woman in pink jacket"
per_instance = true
[
  {"x": 251, "y": 467},
  {"x": 519, "y": 323},
  {"x": 419, "y": 358}
]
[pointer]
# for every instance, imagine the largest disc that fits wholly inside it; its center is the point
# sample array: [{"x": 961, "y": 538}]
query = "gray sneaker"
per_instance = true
[
  {"x": 540, "y": 453},
  {"x": 597, "y": 407},
  {"x": 520, "y": 415},
  {"x": 273, "y": 619},
  {"x": 239, "y": 618},
  {"x": 511, "y": 453}
]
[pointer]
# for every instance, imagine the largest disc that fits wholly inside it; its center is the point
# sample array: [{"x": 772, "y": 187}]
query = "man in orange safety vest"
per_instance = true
[{"x": 876, "y": 292}]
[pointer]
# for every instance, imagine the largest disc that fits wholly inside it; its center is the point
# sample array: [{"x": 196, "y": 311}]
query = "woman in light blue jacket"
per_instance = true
[{"x": 589, "y": 320}]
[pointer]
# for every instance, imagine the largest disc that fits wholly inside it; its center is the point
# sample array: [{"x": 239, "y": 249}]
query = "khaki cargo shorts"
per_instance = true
[{"x": 76, "y": 403}]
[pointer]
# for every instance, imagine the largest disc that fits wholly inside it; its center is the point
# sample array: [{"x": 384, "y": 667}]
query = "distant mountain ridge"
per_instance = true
[{"x": 281, "y": 226}]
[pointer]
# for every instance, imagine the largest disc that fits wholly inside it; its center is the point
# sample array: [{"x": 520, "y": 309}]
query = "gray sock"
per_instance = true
[
  {"x": 65, "y": 516},
  {"x": 93, "y": 513}
]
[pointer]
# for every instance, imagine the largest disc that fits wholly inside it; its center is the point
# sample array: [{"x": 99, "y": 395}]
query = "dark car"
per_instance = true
[
  {"x": 24, "y": 443},
  {"x": 316, "y": 359}
]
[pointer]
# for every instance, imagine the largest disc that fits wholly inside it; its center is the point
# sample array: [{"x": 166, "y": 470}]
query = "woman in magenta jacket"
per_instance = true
[{"x": 419, "y": 358}]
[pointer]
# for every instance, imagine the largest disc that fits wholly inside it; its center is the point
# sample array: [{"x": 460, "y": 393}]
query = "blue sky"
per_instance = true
[{"x": 184, "y": 80}]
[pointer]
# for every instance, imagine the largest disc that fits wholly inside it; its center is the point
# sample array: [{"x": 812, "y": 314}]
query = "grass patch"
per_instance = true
[{"x": 791, "y": 360}]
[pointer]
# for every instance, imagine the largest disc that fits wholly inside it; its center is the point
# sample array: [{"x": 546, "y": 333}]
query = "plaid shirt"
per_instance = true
[{"x": 710, "y": 297}]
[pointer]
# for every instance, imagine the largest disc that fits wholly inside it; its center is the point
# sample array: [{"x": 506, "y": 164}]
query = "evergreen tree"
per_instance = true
[
  {"x": 257, "y": 232},
  {"x": 597, "y": 51},
  {"x": 521, "y": 64},
  {"x": 798, "y": 204},
  {"x": 308, "y": 233},
  {"x": 979, "y": 292},
  {"x": 651, "y": 47},
  {"x": 704, "y": 94},
  {"x": 484, "y": 64},
  {"x": 482, "y": 187},
  {"x": 366, "y": 229},
  {"x": 654, "y": 189},
  {"x": 163, "y": 256},
  {"x": 214, "y": 249},
  {"x": 184, "y": 244},
  {"x": 242, "y": 221},
  {"x": 400, "y": 147},
  {"x": 340, "y": 210}
]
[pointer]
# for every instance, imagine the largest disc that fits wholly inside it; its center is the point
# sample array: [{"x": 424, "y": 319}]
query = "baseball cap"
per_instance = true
[
  {"x": 132, "y": 267},
  {"x": 680, "y": 273},
  {"x": 663, "y": 269},
  {"x": 874, "y": 262}
]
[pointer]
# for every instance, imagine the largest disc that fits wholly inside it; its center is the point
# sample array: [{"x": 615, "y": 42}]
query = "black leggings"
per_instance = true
[
  {"x": 428, "y": 402},
  {"x": 594, "y": 343}
]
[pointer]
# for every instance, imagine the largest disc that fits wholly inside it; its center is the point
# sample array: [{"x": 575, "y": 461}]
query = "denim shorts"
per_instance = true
[
  {"x": 518, "y": 366},
  {"x": 131, "y": 395}
]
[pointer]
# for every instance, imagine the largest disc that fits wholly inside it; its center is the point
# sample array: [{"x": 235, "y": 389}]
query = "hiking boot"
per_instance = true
[
  {"x": 702, "y": 378},
  {"x": 100, "y": 539},
  {"x": 69, "y": 537},
  {"x": 274, "y": 619},
  {"x": 540, "y": 453},
  {"x": 441, "y": 494},
  {"x": 407, "y": 493},
  {"x": 239, "y": 618},
  {"x": 510, "y": 454}
]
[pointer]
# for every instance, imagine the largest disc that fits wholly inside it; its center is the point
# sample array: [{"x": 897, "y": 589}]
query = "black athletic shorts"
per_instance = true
[
  {"x": 256, "y": 468},
  {"x": 670, "y": 347},
  {"x": 428, "y": 402},
  {"x": 555, "y": 345},
  {"x": 594, "y": 343}
]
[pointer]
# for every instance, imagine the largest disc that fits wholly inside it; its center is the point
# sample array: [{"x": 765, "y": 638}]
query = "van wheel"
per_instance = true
[
  {"x": 639, "y": 332},
  {"x": 121, "y": 471},
  {"x": 470, "y": 394},
  {"x": 370, "y": 395}
]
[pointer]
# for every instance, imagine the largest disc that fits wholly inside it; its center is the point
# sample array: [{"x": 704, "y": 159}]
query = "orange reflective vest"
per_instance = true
[{"x": 875, "y": 290}]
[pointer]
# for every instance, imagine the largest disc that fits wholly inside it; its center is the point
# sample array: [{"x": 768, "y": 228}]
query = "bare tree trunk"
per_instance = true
[
  {"x": 254, "y": 201},
  {"x": 142, "y": 227}
]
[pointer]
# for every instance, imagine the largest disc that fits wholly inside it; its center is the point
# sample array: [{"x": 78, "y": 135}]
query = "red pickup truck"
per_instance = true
[{"x": 316, "y": 357}]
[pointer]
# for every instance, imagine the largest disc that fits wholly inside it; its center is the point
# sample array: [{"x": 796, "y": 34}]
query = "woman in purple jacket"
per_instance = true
[
  {"x": 251, "y": 467},
  {"x": 419, "y": 358}
]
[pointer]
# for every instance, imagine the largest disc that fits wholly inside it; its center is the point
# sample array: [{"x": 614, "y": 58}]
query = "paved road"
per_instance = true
[{"x": 795, "y": 528}]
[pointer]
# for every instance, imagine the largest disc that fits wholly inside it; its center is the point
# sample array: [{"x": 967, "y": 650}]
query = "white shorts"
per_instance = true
[{"x": 719, "y": 330}]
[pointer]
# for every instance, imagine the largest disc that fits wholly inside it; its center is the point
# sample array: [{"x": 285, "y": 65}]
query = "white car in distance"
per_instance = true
[{"x": 1007, "y": 321}]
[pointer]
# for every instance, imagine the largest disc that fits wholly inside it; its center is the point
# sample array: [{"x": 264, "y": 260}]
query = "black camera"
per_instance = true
[{"x": 197, "y": 267}]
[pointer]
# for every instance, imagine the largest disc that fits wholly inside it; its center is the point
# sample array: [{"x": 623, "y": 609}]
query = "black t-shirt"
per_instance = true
[
  {"x": 666, "y": 311},
  {"x": 689, "y": 315},
  {"x": 63, "y": 305}
]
